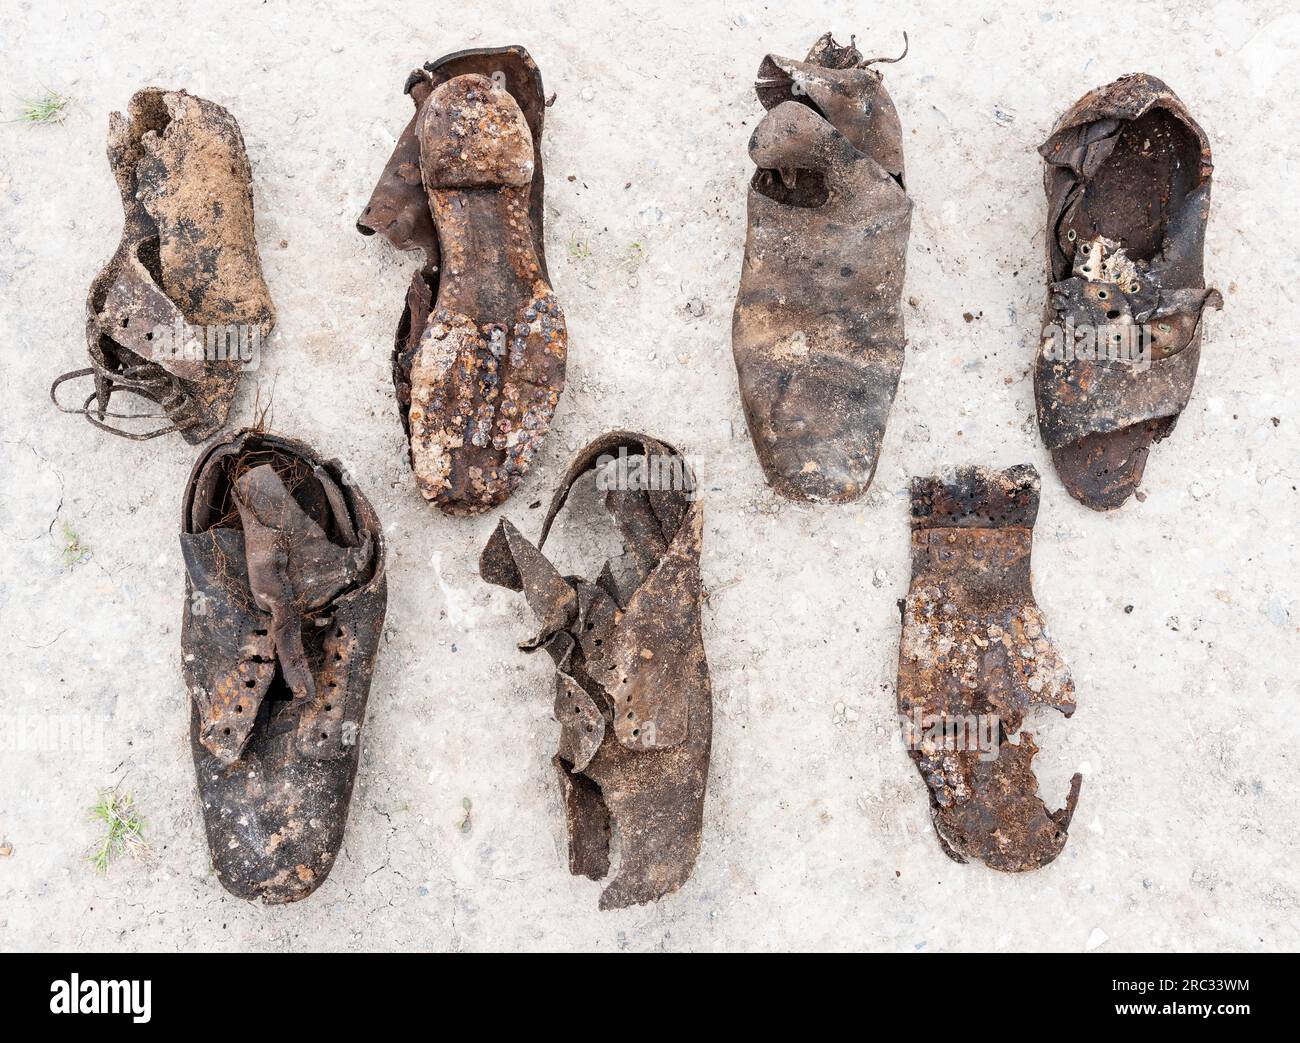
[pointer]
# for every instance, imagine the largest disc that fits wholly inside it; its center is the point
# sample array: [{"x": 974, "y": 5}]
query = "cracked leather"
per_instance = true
[{"x": 187, "y": 260}]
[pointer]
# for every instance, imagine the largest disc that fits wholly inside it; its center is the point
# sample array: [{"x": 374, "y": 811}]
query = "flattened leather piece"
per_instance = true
[
  {"x": 582, "y": 724},
  {"x": 975, "y": 656},
  {"x": 586, "y": 819},
  {"x": 636, "y": 657},
  {"x": 134, "y": 306},
  {"x": 291, "y": 560},
  {"x": 648, "y": 645},
  {"x": 598, "y": 614},
  {"x": 817, "y": 333},
  {"x": 398, "y": 208},
  {"x": 549, "y": 594}
]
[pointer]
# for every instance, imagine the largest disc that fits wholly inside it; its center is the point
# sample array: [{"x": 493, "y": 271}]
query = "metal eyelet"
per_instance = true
[
  {"x": 1071, "y": 235},
  {"x": 1102, "y": 295},
  {"x": 499, "y": 78}
]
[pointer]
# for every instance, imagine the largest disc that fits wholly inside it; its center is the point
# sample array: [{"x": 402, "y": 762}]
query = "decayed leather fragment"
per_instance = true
[
  {"x": 480, "y": 352},
  {"x": 286, "y": 591},
  {"x": 632, "y": 692},
  {"x": 181, "y": 309},
  {"x": 817, "y": 332},
  {"x": 975, "y": 656},
  {"x": 1127, "y": 176}
]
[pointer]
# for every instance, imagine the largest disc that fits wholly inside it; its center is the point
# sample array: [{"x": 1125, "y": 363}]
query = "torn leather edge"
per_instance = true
[
  {"x": 649, "y": 776},
  {"x": 963, "y": 525}
]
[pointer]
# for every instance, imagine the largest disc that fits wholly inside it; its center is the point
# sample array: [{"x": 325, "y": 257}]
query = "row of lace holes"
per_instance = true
[
  {"x": 338, "y": 658},
  {"x": 249, "y": 682}
]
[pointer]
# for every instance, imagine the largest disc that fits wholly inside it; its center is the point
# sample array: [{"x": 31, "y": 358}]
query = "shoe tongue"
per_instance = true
[
  {"x": 292, "y": 564},
  {"x": 293, "y": 567}
]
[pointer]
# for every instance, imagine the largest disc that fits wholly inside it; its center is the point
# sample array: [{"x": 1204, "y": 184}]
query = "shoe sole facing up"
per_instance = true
[{"x": 480, "y": 353}]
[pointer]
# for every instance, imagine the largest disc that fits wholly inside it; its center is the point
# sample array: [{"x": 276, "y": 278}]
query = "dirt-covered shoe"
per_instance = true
[
  {"x": 817, "y": 333},
  {"x": 480, "y": 353},
  {"x": 181, "y": 310},
  {"x": 632, "y": 691},
  {"x": 975, "y": 657},
  {"x": 1127, "y": 177},
  {"x": 286, "y": 590}
]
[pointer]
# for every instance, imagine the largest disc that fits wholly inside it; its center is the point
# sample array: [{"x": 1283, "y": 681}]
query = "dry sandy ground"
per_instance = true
[{"x": 817, "y": 831}]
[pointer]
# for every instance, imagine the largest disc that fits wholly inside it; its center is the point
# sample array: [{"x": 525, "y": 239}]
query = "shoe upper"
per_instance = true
[{"x": 285, "y": 602}]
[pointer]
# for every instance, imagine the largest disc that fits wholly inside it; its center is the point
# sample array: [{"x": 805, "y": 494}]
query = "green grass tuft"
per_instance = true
[
  {"x": 578, "y": 250},
  {"x": 74, "y": 551},
  {"x": 50, "y": 108},
  {"x": 123, "y": 829}
]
